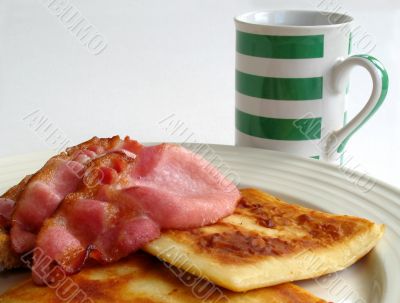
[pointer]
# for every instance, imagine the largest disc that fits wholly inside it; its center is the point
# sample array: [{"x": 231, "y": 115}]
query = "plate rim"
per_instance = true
[{"x": 382, "y": 186}]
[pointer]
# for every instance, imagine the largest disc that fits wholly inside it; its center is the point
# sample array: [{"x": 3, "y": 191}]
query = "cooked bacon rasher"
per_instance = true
[
  {"x": 106, "y": 198},
  {"x": 40, "y": 196}
]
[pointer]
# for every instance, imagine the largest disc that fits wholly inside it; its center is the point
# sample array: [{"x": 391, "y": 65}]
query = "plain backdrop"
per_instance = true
[{"x": 165, "y": 59}]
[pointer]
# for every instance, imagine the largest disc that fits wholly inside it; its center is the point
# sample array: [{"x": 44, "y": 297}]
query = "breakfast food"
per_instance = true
[
  {"x": 106, "y": 198},
  {"x": 8, "y": 258},
  {"x": 85, "y": 214},
  {"x": 47, "y": 188},
  {"x": 24, "y": 207},
  {"x": 142, "y": 278},
  {"x": 267, "y": 242},
  {"x": 165, "y": 186}
]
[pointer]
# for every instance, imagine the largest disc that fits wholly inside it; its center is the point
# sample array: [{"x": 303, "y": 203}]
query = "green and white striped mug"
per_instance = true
[{"x": 292, "y": 72}]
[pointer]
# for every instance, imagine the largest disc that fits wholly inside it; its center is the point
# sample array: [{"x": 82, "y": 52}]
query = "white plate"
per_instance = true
[{"x": 376, "y": 278}]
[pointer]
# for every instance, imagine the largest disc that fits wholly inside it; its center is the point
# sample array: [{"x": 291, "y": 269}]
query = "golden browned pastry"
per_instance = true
[
  {"x": 267, "y": 242},
  {"x": 143, "y": 278}
]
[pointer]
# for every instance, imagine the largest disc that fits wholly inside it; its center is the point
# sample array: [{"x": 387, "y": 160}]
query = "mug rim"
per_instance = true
[{"x": 241, "y": 19}]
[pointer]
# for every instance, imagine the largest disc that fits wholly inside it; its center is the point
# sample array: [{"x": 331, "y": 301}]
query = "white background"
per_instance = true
[{"x": 165, "y": 58}]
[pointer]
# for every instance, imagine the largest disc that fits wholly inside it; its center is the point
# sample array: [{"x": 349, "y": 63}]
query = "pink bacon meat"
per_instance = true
[
  {"x": 7, "y": 202},
  {"x": 39, "y": 197},
  {"x": 166, "y": 186}
]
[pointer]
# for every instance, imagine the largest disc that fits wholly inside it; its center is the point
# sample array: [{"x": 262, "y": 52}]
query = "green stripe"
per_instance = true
[
  {"x": 315, "y": 157},
  {"x": 280, "y": 47},
  {"x": 278, "y": 129},
  {"x": 279, "y": 88}
]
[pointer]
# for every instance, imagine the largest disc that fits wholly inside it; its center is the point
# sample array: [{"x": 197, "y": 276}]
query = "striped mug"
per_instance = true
[{"x": 292, "y": 72}]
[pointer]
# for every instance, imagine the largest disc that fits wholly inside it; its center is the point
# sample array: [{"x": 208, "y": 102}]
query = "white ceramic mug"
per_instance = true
[{"x": 292, "y": 71}]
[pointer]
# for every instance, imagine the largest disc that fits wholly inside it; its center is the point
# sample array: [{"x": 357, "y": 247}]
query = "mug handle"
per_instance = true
[{"x": 336, "y": 141}]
